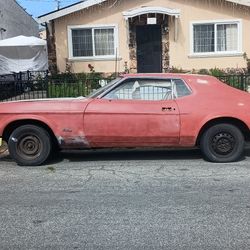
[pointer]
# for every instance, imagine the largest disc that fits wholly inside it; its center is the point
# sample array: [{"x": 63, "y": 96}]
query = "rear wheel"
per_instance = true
[
  {"x": 222, "y": 143},
  {"x": 29, "y": 145}
]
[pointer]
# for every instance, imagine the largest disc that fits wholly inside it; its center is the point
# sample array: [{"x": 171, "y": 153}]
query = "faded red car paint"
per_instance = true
[
  {"x": 115, "y": 123},
  {"x": 101, "y": 122}
]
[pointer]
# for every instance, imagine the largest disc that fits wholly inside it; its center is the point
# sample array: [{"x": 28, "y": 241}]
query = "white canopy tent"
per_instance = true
[{"x": 22, "y": 54}]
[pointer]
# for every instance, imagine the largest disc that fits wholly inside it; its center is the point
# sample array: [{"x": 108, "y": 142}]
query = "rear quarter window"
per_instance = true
[{"x": 181, "y": 88}]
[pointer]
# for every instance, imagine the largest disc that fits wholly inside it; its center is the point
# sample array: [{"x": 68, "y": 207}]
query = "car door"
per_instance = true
[{"x": 138, "y": 112}]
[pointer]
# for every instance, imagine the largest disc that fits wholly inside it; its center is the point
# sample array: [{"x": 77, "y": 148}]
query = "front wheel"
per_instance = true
[
  {"x": 222, "y": 143},
  {"x": 29, "y": 145}
]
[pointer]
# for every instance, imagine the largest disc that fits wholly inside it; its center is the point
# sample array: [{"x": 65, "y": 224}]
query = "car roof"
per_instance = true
[
  {"x": 192, "y": 79},
  {"x": 168, "y": 75},
  {"x": 200, "y": 83}
]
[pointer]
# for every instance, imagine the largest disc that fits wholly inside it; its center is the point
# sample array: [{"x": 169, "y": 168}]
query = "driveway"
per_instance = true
[{"x": 143, "y": 199}]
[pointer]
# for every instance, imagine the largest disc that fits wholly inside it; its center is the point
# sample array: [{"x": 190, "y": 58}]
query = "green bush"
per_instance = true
[
  {"x": 203, "y": 72},
  {"x": 74, "y": 85}
]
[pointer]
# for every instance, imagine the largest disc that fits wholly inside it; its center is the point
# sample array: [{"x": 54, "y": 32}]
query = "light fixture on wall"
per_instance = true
[{"x": 166, "y": 29}]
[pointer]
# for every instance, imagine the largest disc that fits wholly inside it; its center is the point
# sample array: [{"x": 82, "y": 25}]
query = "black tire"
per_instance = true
[
  {"x": 222, "y": 143},
  {"x": 29, "y": 145}
]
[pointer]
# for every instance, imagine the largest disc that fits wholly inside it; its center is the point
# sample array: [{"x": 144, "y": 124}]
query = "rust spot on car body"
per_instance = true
[{"x": 75, "y": 142}]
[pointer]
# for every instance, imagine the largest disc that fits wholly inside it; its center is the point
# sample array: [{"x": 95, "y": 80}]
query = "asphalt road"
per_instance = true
[{"x": 125, "y": 200}]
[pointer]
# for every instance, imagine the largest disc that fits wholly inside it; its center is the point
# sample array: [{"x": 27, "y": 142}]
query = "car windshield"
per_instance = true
[{"x": 101, "y": 90}]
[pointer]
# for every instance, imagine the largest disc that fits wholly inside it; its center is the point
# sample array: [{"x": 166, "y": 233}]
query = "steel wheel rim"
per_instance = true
[
  {"x": 223, "y": 143},
  {"x": 29, "y": 147}
]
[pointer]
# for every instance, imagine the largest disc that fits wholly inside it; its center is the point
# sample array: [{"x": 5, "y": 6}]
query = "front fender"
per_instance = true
[{"x": 8, "y": 119}]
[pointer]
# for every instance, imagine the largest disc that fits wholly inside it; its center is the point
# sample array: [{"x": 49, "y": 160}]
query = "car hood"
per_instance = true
[{"x": 44, "y": 105}]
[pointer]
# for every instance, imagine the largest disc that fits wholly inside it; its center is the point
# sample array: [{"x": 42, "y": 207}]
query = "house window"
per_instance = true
[
  {"x": 82, "y": 42},
  {"x": 216, "y": 37},
  {"x": 94, "y": 42}
]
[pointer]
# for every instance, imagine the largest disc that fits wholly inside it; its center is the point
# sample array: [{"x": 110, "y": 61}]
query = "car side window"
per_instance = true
[
  {"x": 149, "y": 90},
  {"x": 143, "y": 89},
  {"x": 123, "y": 91},
  {"x": 180, "y": 88}
]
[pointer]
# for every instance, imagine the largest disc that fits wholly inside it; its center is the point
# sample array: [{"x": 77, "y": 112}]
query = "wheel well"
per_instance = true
[
  {"x": 13, "y": 125},
  {"x": 233, "y": 121}
]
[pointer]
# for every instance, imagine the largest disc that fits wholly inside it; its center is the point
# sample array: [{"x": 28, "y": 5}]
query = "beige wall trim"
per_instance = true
[
  {"x": 148, "y": 10},
  {"x": 217, "y": 55},
  {"x": 106, "y": 59}
]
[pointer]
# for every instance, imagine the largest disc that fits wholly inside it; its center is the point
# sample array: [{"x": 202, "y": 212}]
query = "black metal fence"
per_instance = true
[
  {"x": 37, "y": 85},
  {"x": 237, "y": 81},
  {"x": 23, "y": 85}
]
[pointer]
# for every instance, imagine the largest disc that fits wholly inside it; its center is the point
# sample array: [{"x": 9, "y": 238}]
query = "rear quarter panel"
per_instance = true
[{"x": 210, "y": 99}]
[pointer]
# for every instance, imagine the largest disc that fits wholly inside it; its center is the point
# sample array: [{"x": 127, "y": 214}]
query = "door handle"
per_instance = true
[{"x": 167, "y": 109}]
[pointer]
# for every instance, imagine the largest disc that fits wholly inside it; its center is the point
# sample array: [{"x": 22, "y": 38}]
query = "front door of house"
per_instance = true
[{"x": 149, "y": 49}]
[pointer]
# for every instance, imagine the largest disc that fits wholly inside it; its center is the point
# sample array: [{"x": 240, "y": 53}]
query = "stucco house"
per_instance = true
[{"x": 149, "y": 35}]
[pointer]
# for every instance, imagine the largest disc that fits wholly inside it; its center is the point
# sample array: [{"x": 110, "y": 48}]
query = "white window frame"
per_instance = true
[
  {"x": 94, "y": 57},
  {"x": 237, "y": 52}
]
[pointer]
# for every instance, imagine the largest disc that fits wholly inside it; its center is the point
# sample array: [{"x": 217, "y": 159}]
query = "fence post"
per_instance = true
[
  {"x": 242, "y": 82},
  {"x": 47, "y": 84}
]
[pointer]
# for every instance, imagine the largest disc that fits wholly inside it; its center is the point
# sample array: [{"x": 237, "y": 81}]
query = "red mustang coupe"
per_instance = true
[{"x": 142, "y": 110}]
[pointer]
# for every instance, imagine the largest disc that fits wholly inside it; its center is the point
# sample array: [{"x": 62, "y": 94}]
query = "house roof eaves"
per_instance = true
[
  {"x": 68, "y": 10},
  {"x": 241, "y": 2},
  {"x": 88, "y": 3},
  {"x": 54, "y": 11}
]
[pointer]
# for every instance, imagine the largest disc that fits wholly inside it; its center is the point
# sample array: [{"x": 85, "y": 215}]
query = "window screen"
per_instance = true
[
  {"x": 93, "y": 42},
  {"x": 215, "y": 37}
]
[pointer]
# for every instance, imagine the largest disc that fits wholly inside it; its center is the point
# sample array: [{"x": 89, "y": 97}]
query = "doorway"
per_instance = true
[{"x": 149, "y": 48}]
